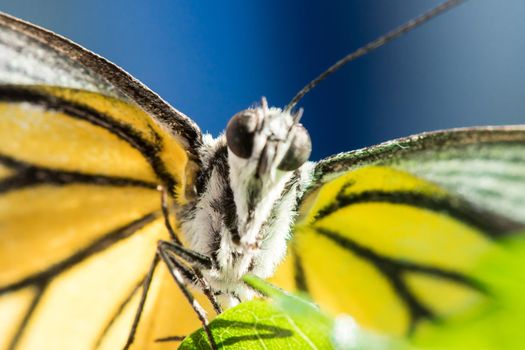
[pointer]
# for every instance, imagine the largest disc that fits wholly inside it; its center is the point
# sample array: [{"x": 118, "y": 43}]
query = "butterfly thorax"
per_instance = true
[{"x": 244, "y": 209}]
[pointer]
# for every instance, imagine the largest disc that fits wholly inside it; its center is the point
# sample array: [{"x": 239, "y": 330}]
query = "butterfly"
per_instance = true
[{"x": 112, "y": 203}]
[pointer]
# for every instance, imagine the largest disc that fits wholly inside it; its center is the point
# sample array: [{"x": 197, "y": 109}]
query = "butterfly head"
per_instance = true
[
  {"x": 265, "y": 146},
  {"x": 270, "y": 139}
]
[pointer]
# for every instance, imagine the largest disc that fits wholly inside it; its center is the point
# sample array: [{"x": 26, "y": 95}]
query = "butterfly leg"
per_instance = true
[
  {"x": 179, "y": 273},
  {"x": 140, "y": 308},
  {"x": 189, "y": 274},
  {"x": 188, "y": 255},
  {"x": 197, "y": 261}
]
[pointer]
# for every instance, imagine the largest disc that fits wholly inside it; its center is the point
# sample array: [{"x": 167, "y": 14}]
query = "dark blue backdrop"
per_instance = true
[{"x": 211, "y": 59}]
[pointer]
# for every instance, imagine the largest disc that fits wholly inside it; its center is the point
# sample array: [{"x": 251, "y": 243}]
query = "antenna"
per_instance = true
[{"x": 371, "y": 46}]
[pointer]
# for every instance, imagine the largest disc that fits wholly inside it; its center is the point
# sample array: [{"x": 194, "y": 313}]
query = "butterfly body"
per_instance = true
[{"x": 242, "y": 215}]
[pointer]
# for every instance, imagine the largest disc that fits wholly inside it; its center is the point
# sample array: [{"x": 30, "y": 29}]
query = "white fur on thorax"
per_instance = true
[{"x": 199, "y": 230}]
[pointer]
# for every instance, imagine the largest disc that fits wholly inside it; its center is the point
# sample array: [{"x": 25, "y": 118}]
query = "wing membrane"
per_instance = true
[
  {"x": 79, "y": 131},
  {"x": 390, "y": 234},
  {"x": 485, "y": 165},
  {"x": 79, "y": 213},
  {"x": 52, "y": 223},
  {"x": 27, "y": 60},
  {"x": 90, "y": 290}
]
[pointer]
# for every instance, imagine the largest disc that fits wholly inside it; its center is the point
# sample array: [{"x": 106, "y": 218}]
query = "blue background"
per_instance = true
[{"x": 212, "y": 59}]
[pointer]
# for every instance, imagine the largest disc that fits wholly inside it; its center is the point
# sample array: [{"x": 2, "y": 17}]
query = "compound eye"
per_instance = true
[
  {"x": 240, "y": 133},
  {"x": 299, "y": 150}
]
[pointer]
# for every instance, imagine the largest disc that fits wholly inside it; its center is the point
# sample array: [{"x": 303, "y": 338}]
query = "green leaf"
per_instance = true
[
  {"x": 258, "y": 324},
  {"x": 288, "y": 323}
]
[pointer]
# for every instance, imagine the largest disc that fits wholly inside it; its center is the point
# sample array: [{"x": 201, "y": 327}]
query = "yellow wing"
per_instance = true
[
  {"x": 80, "y": 218},
  {"x": 394, "y": 249},
  {"x": 79, "y": 213}
]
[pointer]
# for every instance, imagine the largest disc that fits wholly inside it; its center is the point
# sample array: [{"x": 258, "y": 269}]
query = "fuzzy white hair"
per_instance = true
[{"x": 241, "y": 233}]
